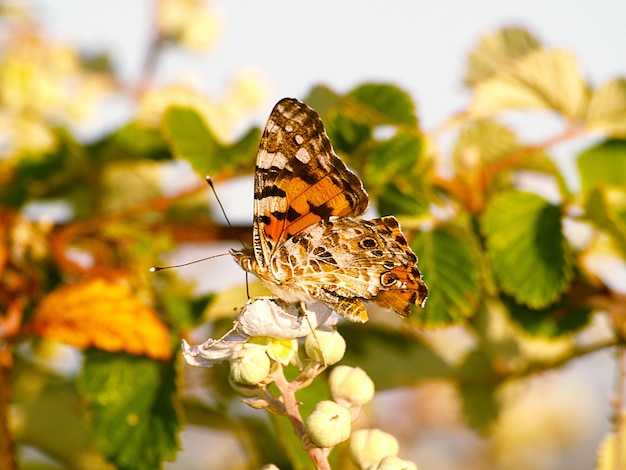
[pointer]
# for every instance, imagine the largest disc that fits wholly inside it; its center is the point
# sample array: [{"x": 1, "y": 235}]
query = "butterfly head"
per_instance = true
[{"x": 245, "y": 259}]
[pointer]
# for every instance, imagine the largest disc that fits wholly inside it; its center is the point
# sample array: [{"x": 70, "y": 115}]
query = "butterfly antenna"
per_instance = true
[
  {"x": 154, "y": 269},
  {"x": 209, "y": 181},
  {"x": 232, "y": 229}
]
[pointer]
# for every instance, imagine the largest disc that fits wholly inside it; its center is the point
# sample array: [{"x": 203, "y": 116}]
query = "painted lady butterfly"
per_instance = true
[{"x": 309, "y": 243}]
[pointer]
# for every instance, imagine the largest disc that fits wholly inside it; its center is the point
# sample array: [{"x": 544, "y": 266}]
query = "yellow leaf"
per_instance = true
[
  {"x": 607, "y": 108},
  {"x": 104, "y": 315},
  {"x": 540, "y": 79}
]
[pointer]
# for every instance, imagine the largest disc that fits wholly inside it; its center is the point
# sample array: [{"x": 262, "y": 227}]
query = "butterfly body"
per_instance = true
[{"x": 308, "y": 241}]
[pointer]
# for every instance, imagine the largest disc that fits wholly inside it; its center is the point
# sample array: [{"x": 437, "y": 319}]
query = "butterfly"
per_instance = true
[{"x": 308, "y": 240}]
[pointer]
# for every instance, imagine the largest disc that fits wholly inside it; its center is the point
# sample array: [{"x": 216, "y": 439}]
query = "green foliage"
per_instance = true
[
  {"x": 133, "y": 405},
  {"x": 603, "y": 164},
  {"x": 449, "y": 257},
  {"x": 528, "y": 251},
  {"x": 192, "y": 140}
]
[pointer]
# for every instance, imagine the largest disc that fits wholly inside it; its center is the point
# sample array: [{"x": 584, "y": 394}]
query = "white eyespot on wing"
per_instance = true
[
  {"x": 289, "y": 128},
  {"x": 299, "y": 139}
]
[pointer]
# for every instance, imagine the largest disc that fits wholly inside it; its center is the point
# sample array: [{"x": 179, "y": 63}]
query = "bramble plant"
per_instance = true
[{"x": 515, "y": 269}]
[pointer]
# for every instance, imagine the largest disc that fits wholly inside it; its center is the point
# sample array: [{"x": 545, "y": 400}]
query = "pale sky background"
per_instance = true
[{"x": 421, "y": 46}]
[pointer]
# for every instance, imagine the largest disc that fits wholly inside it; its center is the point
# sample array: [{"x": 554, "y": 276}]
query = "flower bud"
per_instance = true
[
  {"x": 394, "y": 463},
  {"x": 325, "y": 347},
  {"x": 369, "y": 446},
  {"x": 328, "y": 424},
  {"x": 250, "y": 365},
  {"x": 350, "y": 386}
]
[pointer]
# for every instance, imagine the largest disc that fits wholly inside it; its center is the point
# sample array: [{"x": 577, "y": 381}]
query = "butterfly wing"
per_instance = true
[
  {"x": 352, "y": 260},
  {"x": 299, "y": 179}
]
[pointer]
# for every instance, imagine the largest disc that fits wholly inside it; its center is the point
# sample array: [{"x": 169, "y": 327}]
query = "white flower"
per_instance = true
[{"x": 262, "y": 316}]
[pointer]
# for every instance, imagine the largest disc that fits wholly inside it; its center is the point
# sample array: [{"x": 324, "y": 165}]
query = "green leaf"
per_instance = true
[
  {"x": 541, "y": 79},
  {"x": 497, "y": 50},
  {"x": 606, "y": 207},
  {"x": 392, "y": 200},
  {"x": 527, "y": 249},
  {"x": 191, "y": 139},
  {"x": 347, "y": 134},
  {"x": 392, "y": 158},
  {"x": 322, "y": 99},
  {"x": 557, "y": 319},
  {"x": 449, "y": 261},
  {"x": 607, "y": 108},
  {"x": 480, "y": 406},
  {"x": 478, "y": 382},
  {"x": 603, "y": 164},
  {"x": 132, "y": 400},
  {"x": 385, "y": 104},
  {"x": 133, "y": 141}
]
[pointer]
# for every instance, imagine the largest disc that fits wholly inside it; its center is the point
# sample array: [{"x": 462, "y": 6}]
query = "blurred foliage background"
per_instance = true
[{"x": 525, "y": 264}]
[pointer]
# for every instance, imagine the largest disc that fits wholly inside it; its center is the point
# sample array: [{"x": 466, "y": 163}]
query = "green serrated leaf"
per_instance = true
[
  {"x": 191, "y": 139},
  {"x": 497, "y": 50},
  {"x": 385, "y": 104},
  {"x": 449, "y": 261},
  {"x": 606, "y": 207},
  {"x": 540, "y": 79},
  {"x": 551, "y": 322},
  {"x": 603, "y": 164},
  {"x": 528, "y": 252},
  {"x": 132, "y": 401},
  {"x": 607, "y": 108}
]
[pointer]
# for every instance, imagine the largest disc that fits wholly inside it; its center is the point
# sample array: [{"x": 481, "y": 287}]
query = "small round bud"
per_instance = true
[
  {"x": 325, "y": 347},
  {"x": 250, "y": 365},
  {"x": 350, "y": 386},
  {"x": 370, "y": 446},
  {"x": 328, "y": 424},
  {"x": 394, "y": 463}
]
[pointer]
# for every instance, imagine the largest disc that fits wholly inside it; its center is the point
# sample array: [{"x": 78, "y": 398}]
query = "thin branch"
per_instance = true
[
  {"x": 152, "y": 55},
  {"x": 288, "y": 394}
]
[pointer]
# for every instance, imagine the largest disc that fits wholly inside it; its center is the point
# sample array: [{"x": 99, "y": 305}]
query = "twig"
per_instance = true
[
  {"x": 288, "y": 394},
  {"x": 152, "y": 55}
]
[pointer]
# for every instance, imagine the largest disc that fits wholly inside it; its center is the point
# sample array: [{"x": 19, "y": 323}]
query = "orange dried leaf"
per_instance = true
[{"x": 104, "y": 315}]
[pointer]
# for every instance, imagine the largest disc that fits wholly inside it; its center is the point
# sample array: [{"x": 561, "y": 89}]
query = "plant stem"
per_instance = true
[{"x": 288, "y": 394}]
